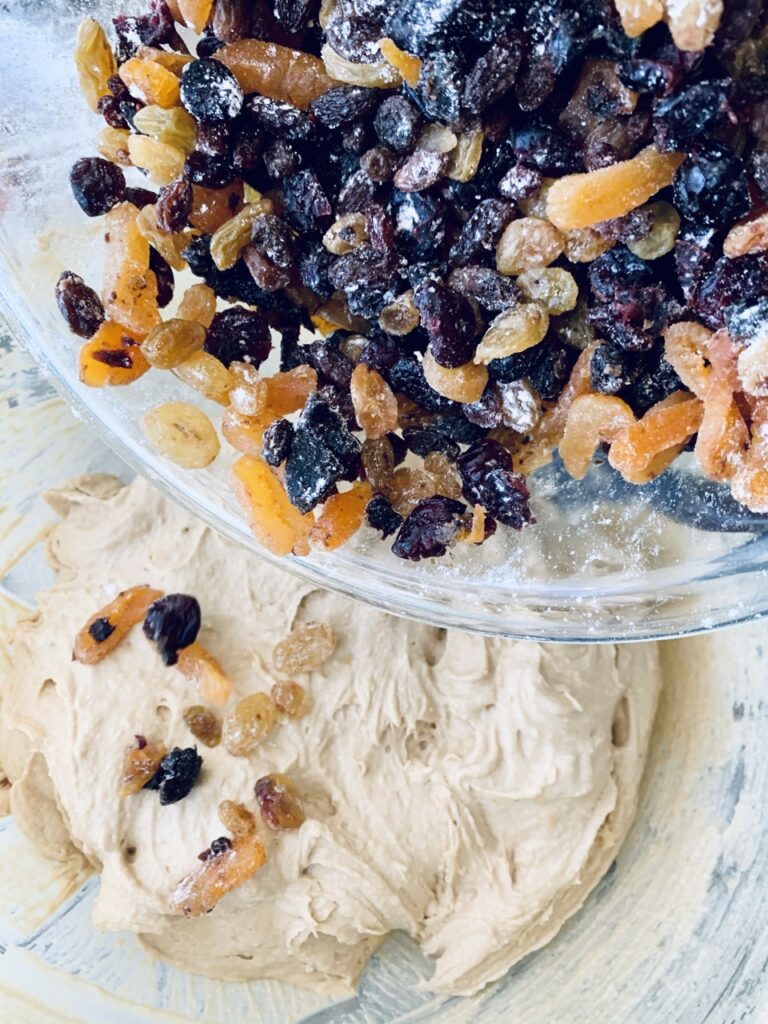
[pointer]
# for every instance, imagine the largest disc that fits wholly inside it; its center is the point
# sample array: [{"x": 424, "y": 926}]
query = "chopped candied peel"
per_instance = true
[
  {"x": 200, "y": 891},
  {"x": 195, "y": 12},
  {"x": 407, "y": 65},
  {"x": 592, "y": 420},
  {"x": 278, "y": 72},
  {"x": 749, "y": 484},
  {"x": 374, "y": 402},
  {"x": 110, "y": 625},
  {"x": 129, "y": 292},
  {"x": 275, "y": 522},
  {"x": 341, "y": 517},
  {"x": 582, "y": 200},
  {"x": 639, "y": 450},
  {"x": 140, "y": 765},
  {"x": 198, "y": 664},
  {"x": 686, "y": 348},
  {"x": 111, "y": 358},
  {"x": 639, "y": 15},
  {"x": 693, "y": 23}
]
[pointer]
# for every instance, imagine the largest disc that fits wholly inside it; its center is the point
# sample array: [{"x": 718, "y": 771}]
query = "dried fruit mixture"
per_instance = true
[{"x": 477, "y": 232}]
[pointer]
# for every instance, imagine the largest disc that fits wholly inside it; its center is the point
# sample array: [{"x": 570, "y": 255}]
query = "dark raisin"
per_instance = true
[
  {"x": 429, "y": 529},
  {"x": 140, "y": 197},
  {"x": 422, "y": 441},
  {"x": 210, "y": 171},
  {"x": 379, "y": 228},
  {"x": 97, "y": 185},
  {"x": 314, "y": 266},
  {"x": 79, "y": 305},
  {"x": 357, "y": 193},
  {"x": 421, "y": 26},
  {"x": 449, "y": 321},
  {"x": 111, "y": 110},
  {"x": 214, "y": 138},
  {"x": 323, "y": 451},
  {"x": 488, "y": 287},
  {"x": 208, "y": 43},
  {"x": 239, "y": 334},
  {"x": 520, "y": 182},
  {"x": 100, "y": 629},
  {"x": 356, "y": 138},
  {"x": 281, "y": 160},
  {"x": 118, "y": 358},
  {"x": 178, "y": 772},
  {"x": 379, "y": 163},
  {"x": 172, "y": 622},
  {"x": 630, "y": 228},
  {"x": 265, "y": 273},
  {"x": 272, "y": 236},
  {"x": 247, "y": 150},
  {"x": 551, "y": 369},
  {"x": 231, "y": 20},
  {"x": 174, "y": 205},
  {"x": 506, "y": 497},
  {"x": 711, "y": 186},
  {"x": 481, "y": 232},
  {"x": 220, "y": 845},
  {"x": 493, "y": 74},
  {"x": 746, "y": 320},
  {"x": 548, "y": 150},
  {"x": 486, "y": 412},
  {"x": 368, "y": 278},
  {"x": 330, "y": 362},
  {"x": 278, "y": 118},
  {"x": 381, "y": 351},
  {"x": 438, "y": 92},
  {"x": 276, "y": 445},
  {"x": 343, "y": 105},
  {"x": 407, "y": 377},
  {"x": 731, "y": 282},
  {"x": 618, "y": 273},
  {"x": 210, "y": 91},
  {"x": 397, "y": 123},
  {"x": 293, "y": 15},
  {"x": 422, "y": 169},
  {"x": 613, "y": 369},
  {"x": 476, "y": 463},
  {"x": 164, "y": 276},
  {"x": 653, "y": 385},
  {"x": 420, "y": 224},
  {"x": 307, "y": 206},
  {"x": 382, "y": 517},
  {"x": 695, "y": 252},
  {"x": 155, "y": 28},
  {"x": 354, "y": 30},
  {"x": 694, "y": 113},
  {"x": 458, "y": 428}
]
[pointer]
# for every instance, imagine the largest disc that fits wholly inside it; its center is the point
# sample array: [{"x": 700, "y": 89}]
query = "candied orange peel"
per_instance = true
[
  {"x": 198, "y": 664},
  {"x": 275, "y": 522},
  {"x": 640, "y": 451},
  {"x": 592, "y": 419}
]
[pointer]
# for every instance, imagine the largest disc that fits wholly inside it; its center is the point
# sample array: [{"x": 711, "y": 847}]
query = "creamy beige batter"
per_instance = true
[{"x": 469, "y": 791}]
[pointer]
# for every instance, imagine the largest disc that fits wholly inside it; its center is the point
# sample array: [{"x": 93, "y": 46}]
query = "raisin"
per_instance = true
[
  {"x": 323, "y": 452},
  {"x": 731, "y": 282},
  {"x": 381, "y": 351},
  {"x": 438, "y": 93},
  {"x": 178, "y": 772},
  {"x": 174, "y": 205},
  {"x": 314, "y": 265},
  {"x": 278, "y": 118},
  {"x": 481, "y": 232},
  {"x": 486, "y": 411},
  {"x": 711, "y": 186},
  {"x": 420, "y": 26},
  {"x": 368, "y": 278},
  {"x": 164, "y": 277},
  {"x": 172, "y": 622},
  {"x": 281, "y": 160},
  {"x": 407, "y": 377},
  {"x": 293, "y": 14},
  {"x": 493, "y": 74},
  {"x": 450, "y": 322},
  {"x": 613, "y": 369},
  {"x": 520, "y": 182},
  {"x": 343, "y": 105},
  {"x": 272, "y": 237},
  {"x": 476, "y": 463},
  {"x": 249, "y": 723},
  {"x": 100, "y": 629},
  {"x": 97, "y": 185},
  {"x": 694, "y": 113},
  {"x": 79, "y": 305},
  {"x": 421, "y": 170},
  {"x": 210, "y": 92},
  {"x": 357, "y": 193},
  {"x": 423, "y": 441},
  {"x": 397, "y": 123},
  {"x": 239, "y": 334},
  {"x": 381, "y": 516},
  {"x": 488, "y": 287},
  {"x": 695, "y": 253},
  {"x": 429, "y": 529},
  {"x": 210, "y": 171},
  {"x": 379, "y": 163},
  {"x": 276, "y": 445},
  {"x": 420, "y": 224},
  {"x": 307, "y": 206},
  {"x": 279, "y": 802}
]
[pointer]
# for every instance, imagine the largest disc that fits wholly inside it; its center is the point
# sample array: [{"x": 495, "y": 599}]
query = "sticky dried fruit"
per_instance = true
[
  {"x": 140, "y": 765},
  {"x": 581, "y": 200},
  {"x": 686, "y": 346},
  {"x": 182, "y": 433},
  {"x": 111, "y": 358},
  {"x": 174, "y": 127},
  {"x": 516, "y": 330},
  {"x": 161, "y": 161},
  {"x": 249, "y": 723},
  {"x": 406, "y": 64},
  {"x": 279, "y": 802},
  {"x": 374, "y": 402},
  {"x": 341, "y": 517},
  {"x": 291, "y": 699},
  {"x": 275, "y": 522},
  {"x": 200, "y": 891},
  {"x": 210, "y": 92},
  {"x": 94, "y": 61},
  {"x": 639, "y": 15},
  {"x": 199, "y": 665},
  {"x": 195, "y": 12},
  {"x": 109, "y": 626},
  {"x": 306, "y": 647},
  {"x": 555, "y": 288},
  {"x": 407, "y": 488},
  {"x": 150, "y": 82},
  {"x": 635, "y": 451},
  {"x": 203, "y": 724},
  {"x": 693, "y": 23},
  {"x": 592, "y": 420},
  {"x": 236, "y": 818}
]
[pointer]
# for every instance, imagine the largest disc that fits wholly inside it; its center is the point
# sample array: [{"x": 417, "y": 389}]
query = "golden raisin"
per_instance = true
[
  {"x": 592, "y": 419},
  {"x": 526, "y": 243},
  {"x": 374, "y": 401},
  {"x": 182, "y": 433},
  {"x": 169, "y": 245},
  {"x": 436, "y": 138},
  {"x": 249, "y": 723},
  {"x": 406, "y": 64},
  {"x": 170, "y": 59},
  {"x": 463, "y": 384},
  {"x": 275, "y": 522},
  {"x": 198, "y": 303},
  {"x": 245, "y": 433},
  {"x": 639, "y": 15},
  {"x": 380, "y": 75},
  {"x": 231, "y": 238},
  {"x": 276, "y": 71},
  {"x": 400, "y": 316},
  {"x": 171, "y": 342},
  {"x": 747, "y": 237},
  {"x": 378, "y": 460},
  {"x": 584, "y": 245},
  {"x": 279, "y": 802},
  {"x": 112, "y": 144},
  {"x": 150, "y": 82},
  {"x": 236, "y": 818},
  {"x": 288, "y": 392},
  {"x": 465, "y": 158},
  {"x": 335, "y": 314},
  {"x": 203, "y": 724},
  {"x": 173, "y": 127},
  {"x": 661, "y": 238},
  {"x": 162, "y": 162},
  {"x": 248, "y": 396},
  {"x": 444, "y": 475},
  {"x": 556, "y": 289},
  {"x": 200, "y": 891},
  {"x": 140, "y": 764},
  {"x": 291, "y": 699},
  {"x": 408, "y": 487},
  {"x": 94, "y": 61},
  {"x": 342, "y": 516},
  {"x": 110, "y": 625},
  {"x": 207, "y": 375},
  {"x": 130, "y": 288},
  {"x": 306, "y": 647},
  {"x": 345, "y": 234},
  {"x": 199, "y": 665},
  {"x": 581, "y": 200},
  {"x": 513, "y": 331},
  {"x": 520, "y": 405},
  {"x": 111, "y": 358}
]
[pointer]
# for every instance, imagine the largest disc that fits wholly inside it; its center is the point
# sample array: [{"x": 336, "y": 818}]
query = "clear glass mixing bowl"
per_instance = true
[{"x": 604, "y": 560}]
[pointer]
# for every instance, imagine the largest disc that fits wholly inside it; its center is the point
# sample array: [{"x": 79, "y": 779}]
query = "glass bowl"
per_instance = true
[{"x": 604, "y": 561}]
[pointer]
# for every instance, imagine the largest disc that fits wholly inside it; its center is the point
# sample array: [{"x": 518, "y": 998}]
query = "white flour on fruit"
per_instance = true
[{"x": 468, "y": 791}]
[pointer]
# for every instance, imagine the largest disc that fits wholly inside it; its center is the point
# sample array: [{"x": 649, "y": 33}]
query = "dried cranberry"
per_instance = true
[
  {"x": 79, "y": 305},
  {"x": 276, "y": 445},
  {"x": 239, "y": 334},
  {"x": 429, "y": 529},
  {"x": 172, "y": 623},
  {"x": 210, "y": 91},
  {"x": 178, "y": 772},
  {"x": 97, "y": 185},
  {"x": 449, "y": 321},
  {"x": 382, "y": 517},
  {"x": 476, "y": 463},
  {"x": 174, "y": 205}
]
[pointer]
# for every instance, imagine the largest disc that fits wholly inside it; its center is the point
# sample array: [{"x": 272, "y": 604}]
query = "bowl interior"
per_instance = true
[{"x": 605, "y": 560}]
